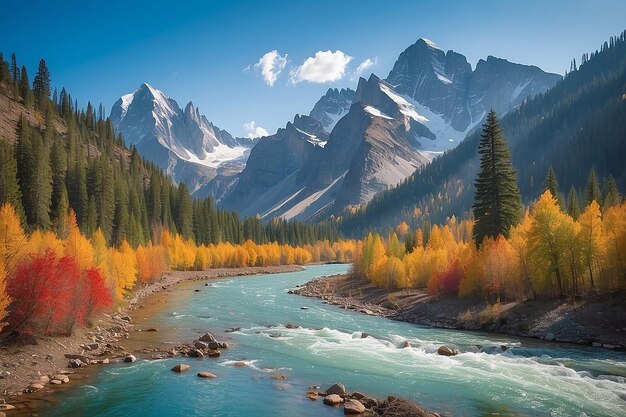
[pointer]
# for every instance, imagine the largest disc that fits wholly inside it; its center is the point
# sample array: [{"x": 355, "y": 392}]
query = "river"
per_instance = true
[{"x": 531, "y": 378}]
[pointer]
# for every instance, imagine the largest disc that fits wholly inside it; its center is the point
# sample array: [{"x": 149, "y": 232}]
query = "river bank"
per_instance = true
[
  {"x": 32, "y": 366},
  {"x": 600, "y": 322}
]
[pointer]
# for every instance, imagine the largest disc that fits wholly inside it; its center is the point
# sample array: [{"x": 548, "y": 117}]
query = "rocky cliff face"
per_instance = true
[
  {"x": 332, "y": 106},
  {"x": 182, "y": 142},
  {"x": 447, "y": 86}
]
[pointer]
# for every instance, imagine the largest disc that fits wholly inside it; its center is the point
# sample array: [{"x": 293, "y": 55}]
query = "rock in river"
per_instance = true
[
  {"x": 447, "y": 351},
  {"x": 205, "y": 374},
  {"x": 207, "y": 337},
  {"x": 332, "y": 399},
  {"x": 352, "y": 407},
  {"x": 338, "y": 389},
  {"x": 130, "y": 358},
  {"x": 181, "y": 367}
]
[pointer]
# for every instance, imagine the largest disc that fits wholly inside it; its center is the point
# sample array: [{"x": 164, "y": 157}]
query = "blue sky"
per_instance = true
[{"x": 198, "y": 50}]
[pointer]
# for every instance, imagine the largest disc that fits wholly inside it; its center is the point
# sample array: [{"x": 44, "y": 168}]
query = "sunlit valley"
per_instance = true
[{"x": 202, "y": 220}]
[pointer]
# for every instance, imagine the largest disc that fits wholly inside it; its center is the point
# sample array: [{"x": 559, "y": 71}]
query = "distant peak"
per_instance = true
[{"x": 428, "y": 43}]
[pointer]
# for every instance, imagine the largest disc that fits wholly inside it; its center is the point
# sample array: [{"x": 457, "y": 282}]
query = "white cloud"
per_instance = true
[
  {"x": 324, "y": 67},
  {"x": 363, "y": 66},
  {"x": 254, "y": 131},
  {"x": 271, "y": 64}
]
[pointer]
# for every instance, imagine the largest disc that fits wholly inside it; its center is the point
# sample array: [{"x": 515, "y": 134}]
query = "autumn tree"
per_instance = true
[{"x": 547, "y": 240}]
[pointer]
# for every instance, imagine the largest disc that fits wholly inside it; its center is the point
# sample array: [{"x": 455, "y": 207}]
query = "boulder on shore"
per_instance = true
[
  {"x": 337, "y": 389},
  {"x": 76, "y": 363},
  {"x": 333, "y": 399},
  {"x": 352, "y": 407},
  {"x": 181, "y": 367},
  {"x": 62, "y": 378},
  {"x": 447, "y": 351}
]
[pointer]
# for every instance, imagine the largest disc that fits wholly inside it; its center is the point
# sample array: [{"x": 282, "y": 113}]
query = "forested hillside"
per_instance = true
[
  {"x": 56, "y": 156},
  {"x": 577, "y": 125}
]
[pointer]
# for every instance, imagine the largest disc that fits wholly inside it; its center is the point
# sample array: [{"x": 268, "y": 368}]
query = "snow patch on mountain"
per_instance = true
[{"x": 375, "y": 112}]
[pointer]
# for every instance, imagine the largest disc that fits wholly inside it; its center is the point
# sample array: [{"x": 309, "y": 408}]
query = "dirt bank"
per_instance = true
[{"x": 600, "y": 321}]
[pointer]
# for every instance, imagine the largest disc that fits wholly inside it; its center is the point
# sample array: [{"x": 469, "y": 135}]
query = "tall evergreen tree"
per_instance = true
[
  {"x": 41, "y": 86},
  {"x": 9, "y": 187},
  {"x": 573, "y": 204},
  {"x": 592, "y": 190},
  {"x": 25, "y": 87},
  {"x": 15, "y": 76},
  {"x": 185, "y": 212},
  {"x": 552, "y": 184},
  {"x": 611, "y": 194},
  {"x": 40, "y": 185},
  {"x": 497, "y": 201}
]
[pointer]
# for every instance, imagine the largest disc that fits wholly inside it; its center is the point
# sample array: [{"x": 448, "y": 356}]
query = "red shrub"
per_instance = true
[
  {"x": 53, "y": 296},
  {"x": 448, "y": 282}
]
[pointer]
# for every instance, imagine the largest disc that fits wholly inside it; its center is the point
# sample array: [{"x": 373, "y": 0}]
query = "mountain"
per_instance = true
[
  {"x": 182, "y": 142},
  {"x": 377, "y": 135},
  {"x": 332, "y": 106},
  {"x": 578, "y": 124},
  {"x": 301, "y": 170},
  {"x": 455, "y": 98}
]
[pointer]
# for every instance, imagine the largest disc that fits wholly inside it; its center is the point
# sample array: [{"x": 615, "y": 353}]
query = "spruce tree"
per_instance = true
[
  {"x": 185, "y": 216},
  {"x": 497, "y": 201},
  {"x": 573, "y": 204},
  {"x": 592, "y": 190},
  {"x": 25, "y": 88},
  {"x": 41, "y": 86},
  {"x": 552, "y": 184},
  {"x": 14, "y": 69},
  {"x": 40, "y": 185},
  {"x": 9, "y": 187},
  {"x": 611, "y": 194}
]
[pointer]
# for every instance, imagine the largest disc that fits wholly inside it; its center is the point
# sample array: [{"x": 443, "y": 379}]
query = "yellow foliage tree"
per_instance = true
[{"x": 13, "y": 242}]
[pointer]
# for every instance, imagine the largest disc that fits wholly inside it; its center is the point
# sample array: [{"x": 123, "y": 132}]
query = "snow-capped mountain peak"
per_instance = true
[{"x": 168, "y": 135}]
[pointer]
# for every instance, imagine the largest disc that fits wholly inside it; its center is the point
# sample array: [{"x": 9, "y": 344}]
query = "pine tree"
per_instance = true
[
  {"x": 611, "y": 194},
  {"x": 25, "y": 88},
  {"x": 14, "y": 69},
  {"x": 185, "y": 212},
  {"x": 573, "y": 204},
  {"x": 9, "y": 187},
  {"x": 39, "y": 187},
  {"x": 41, "y": 86},
  {"x": 592, "y": 190},
  {"x": 497, "y": 202},
  {"x": 552, "y": 184}
]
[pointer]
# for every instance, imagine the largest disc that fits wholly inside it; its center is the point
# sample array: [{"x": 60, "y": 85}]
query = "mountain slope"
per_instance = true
[
  {"x": 578, "y": 124},
  {"x": 182, "y": 142},
  {"x": 301, "y": 170}
]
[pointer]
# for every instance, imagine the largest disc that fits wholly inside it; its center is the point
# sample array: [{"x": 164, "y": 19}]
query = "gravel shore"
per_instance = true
[{"x": 598, "y": 322}]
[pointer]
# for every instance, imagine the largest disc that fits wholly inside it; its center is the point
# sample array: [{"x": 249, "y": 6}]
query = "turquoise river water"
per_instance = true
[{"x": 529, "y": 379}]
